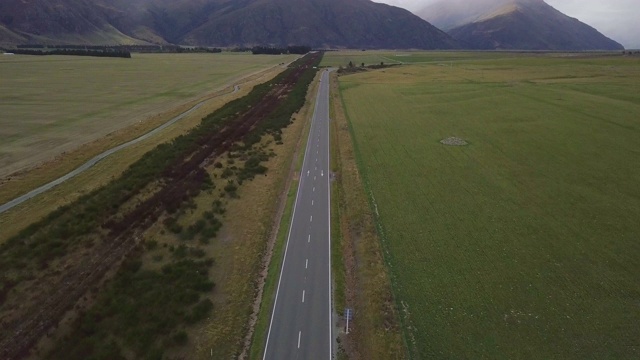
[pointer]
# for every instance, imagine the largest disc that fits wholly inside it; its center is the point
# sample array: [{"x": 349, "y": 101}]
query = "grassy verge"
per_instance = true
[
  {"x": 375, "y": 332},
  {"x": 338, "y": 271},
  {"x": 277, "y": 255},
  {"x": 245, "y": 242}
]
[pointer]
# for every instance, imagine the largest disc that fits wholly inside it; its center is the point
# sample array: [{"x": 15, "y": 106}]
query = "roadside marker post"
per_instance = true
[{"x": 348, "y": 315}]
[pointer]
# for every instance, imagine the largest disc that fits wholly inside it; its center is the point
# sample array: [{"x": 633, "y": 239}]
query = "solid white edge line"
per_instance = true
[
  {"x": 329, "y": 221},
  {"x": 295, "y": 205}
]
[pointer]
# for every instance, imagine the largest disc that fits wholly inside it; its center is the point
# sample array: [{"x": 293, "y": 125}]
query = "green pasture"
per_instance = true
[
  {"x": 524, "y": 244},
  {"x": 342, "y": 58},
  {"x": 441, "y": 58},
  {"x": 375, "y": 57},
  {"x": 53, "y": 104}
]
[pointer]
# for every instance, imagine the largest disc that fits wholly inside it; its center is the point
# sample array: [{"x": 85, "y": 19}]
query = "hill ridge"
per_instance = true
[
  {"x": 222, "y": 23},
  {"x": 515, "y": 25}
]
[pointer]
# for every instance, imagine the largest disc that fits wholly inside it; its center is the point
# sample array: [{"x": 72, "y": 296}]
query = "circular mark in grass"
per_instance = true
[{"x": 454, "y": 141}]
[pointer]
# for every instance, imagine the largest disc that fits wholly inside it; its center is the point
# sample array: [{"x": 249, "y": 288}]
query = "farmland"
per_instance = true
[
  {"x": 523, "y": 243},
  {"x": 176, "y": 222},
  {"x": 342, "y": 58},
  {"x": 54, "y": 104}
]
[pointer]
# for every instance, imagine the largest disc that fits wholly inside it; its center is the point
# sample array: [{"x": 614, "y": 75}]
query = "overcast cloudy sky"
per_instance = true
[{"x": 617, "y": 19}]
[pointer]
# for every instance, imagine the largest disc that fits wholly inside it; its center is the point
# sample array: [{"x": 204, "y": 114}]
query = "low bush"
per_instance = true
[{"x": 139, "y": 309}]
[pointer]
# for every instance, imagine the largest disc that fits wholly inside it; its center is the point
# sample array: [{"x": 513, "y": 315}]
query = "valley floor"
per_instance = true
[{"x": 523, "y": 243}]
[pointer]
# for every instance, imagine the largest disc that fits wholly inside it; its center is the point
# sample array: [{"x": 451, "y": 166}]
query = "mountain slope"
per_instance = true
[
  {"x": 61, "y": 21},
  {"x": 450, "y": 14},
  {"x": 515, "y": 25},
  {"x": 318, "y": 23}
]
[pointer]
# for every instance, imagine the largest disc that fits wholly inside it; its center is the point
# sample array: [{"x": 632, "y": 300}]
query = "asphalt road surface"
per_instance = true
[
  {"x": 84, "y": 167},
  {"x": 301, "y": 321}
]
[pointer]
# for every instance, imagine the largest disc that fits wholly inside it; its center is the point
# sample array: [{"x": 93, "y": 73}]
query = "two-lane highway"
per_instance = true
[{"x": 301, "y": 321}]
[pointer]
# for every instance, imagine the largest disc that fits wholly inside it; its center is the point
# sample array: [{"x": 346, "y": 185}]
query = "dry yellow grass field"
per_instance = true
[
  {"x": 21, "y": 216},
  {"x": 49, "y": 105}
]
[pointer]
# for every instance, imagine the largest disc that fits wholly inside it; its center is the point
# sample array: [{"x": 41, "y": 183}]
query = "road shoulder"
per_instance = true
[{"x": 375, "y": 332}]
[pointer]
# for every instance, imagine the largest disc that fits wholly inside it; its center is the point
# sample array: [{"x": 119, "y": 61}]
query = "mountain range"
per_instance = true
[
  {"x": 224, "y": 23},
  {"x": 472, "y": 24},
  {"x": 514, "y": 25}
]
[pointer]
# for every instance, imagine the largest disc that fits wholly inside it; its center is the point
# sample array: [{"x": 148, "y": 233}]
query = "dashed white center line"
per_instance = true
[
  {"x": 303, "y": 296},
  {"x": 311, "y": 220},
  {"x": 309, "y": 240},
  {"x": 299, "y": 336},
  {"x": 314, "y": 189},
  {"x": 307, "y": 172},
  {"x": 311, "y": 202},
  {"x": 306, "y": 264},
  {"x": 314, "y": 177}
]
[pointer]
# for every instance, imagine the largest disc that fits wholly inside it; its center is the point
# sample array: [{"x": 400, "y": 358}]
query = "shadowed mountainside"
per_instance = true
[
  {"x": 61, "y": 21},
  {"x": 318, "y": 23}
]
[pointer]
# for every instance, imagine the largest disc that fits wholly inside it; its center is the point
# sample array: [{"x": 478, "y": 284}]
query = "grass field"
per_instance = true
[
  {"x": 49, "y": 105},
  {"x": 342, "y": 58},
  {"x": 18, "y": 218},
  {"x": 440, "y": 58},
  {"x": 523, "y": 244}
]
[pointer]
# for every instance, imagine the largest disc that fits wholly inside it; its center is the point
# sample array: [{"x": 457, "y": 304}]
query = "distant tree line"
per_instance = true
[
  {"x": 353, "y": 68},
  {"x": 198, "y": 50},
  {"x": 129, "y": 48},
  {"x": 120, "y": 50},
  {"x": 76, "y": 52},
  {"x": 73, "y": 47},
  {"x": 301, "y": 50},
  {"x": 125, "y": 48}
]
